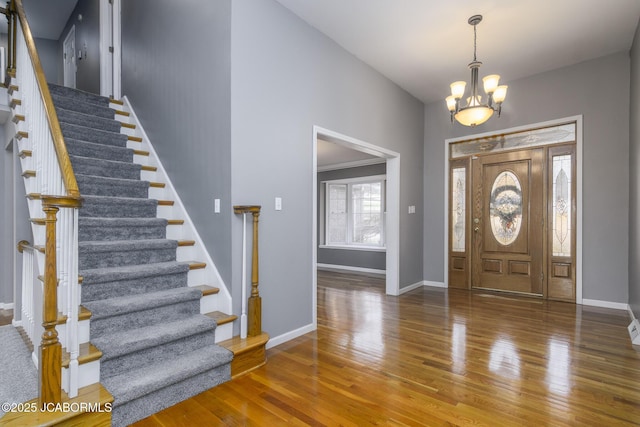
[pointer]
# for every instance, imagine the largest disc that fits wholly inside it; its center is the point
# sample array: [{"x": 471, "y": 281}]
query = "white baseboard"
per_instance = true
[
  {"x": 6, "y": 306},
  {"x": 631, "y": 315},
  {"x": 350, "y": 268},
  {"x": 411, "y": 287},
  {"x": 434, "y": 284},
  {"x": 280, "y": 339},
  {"x": 605, "y": 304}
]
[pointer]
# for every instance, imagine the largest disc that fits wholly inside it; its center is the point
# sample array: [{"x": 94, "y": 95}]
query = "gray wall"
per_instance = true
[
  {"x": 634, "y": 179},
  {"x": 351, "y": 258},
  {"x": 288, "y": 77},
  {"x": 50, "y": 59},
  {"x": 556, "y": 94},
  {"x": 88, "y": 40},
  {"x": 176, "y": 72}
]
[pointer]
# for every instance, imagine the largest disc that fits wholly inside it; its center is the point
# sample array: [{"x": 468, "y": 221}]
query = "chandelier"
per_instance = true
[{"x": 475, "y": 112}]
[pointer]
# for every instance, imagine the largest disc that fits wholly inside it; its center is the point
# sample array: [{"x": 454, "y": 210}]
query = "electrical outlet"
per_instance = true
[
  {"x": 216, "y": 205},
  {"x": 278, "y": 203}
]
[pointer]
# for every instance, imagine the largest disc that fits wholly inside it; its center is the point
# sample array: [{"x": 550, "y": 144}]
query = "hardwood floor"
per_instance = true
[
  {"x": 434, "y": 357},
  {"x": 5, "y": 317}
]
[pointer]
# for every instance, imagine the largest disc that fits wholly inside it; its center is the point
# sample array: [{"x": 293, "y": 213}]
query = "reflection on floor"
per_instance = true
[{"x": 434, "y": 357}]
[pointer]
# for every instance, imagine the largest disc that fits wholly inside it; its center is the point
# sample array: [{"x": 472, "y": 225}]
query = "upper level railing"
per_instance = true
[{"x": 51, "y": 187}]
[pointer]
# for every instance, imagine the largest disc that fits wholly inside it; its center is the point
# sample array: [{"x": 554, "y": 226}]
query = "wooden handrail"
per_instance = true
[
  {"x": 254, "y": 315},
  {"x": 23, "y": 244},
  {"x": 64, "y": 162}
]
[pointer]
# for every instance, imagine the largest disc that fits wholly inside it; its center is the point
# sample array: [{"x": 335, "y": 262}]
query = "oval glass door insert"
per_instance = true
[{"x": 505, "y": 208}]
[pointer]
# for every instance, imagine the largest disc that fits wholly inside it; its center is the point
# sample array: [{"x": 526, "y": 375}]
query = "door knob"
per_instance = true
[{"x": 476, "y": 229}]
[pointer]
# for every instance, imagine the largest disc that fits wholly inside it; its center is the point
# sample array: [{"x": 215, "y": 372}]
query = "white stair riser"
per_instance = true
[
  {"x": 224, "y": 332},
  {"x": 88, "y": 373},
  {"x": 209, "y": 303},
  {"x": 83, "y": 332}
]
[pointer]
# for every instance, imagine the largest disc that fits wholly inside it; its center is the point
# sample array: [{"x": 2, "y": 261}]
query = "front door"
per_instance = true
[{"x": 507, "y": 221}]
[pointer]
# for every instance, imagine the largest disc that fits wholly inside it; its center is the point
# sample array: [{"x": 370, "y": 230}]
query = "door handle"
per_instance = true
[{"x": 476, "y": 229}]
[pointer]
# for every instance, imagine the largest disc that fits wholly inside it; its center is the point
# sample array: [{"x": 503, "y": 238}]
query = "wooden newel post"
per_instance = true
[
  {"x": 254, "y": 309},
  {"x": 50, "y": 349},
  {"x": 255, "y": 302}
]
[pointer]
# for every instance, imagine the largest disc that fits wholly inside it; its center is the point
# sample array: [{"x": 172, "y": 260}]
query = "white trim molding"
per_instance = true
[
  {"x": 434, "y": 284},
  {"x": 350, "y": 268},
  {"x": 6, "y": 306},
  {"x": 605, "y": 304},
  {"x": 280, "y": 339},
  {"x": 411, "y": 287}
]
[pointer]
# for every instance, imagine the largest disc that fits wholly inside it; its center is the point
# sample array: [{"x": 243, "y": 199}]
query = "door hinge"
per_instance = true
[
  {"x": 542, "y": 277},
  {"x": 111, "y": 49}
]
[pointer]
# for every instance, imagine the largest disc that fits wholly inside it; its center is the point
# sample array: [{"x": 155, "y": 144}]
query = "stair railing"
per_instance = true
[
  {"x": 254, "y": 316},
  {"x": 51, "y": 187}
]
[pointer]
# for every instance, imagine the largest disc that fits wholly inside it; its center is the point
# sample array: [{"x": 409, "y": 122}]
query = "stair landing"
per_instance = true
[{"x": 248, "y": 353}]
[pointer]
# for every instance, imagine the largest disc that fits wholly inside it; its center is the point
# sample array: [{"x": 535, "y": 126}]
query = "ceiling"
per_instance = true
[
  {"x": 424, "y": 45},
  {"x": 47, "y": 18},
  {"x": 334, "y": 156}
]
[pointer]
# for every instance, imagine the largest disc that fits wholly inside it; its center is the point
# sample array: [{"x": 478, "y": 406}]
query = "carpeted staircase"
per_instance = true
[{"x": 157, "y": 348}]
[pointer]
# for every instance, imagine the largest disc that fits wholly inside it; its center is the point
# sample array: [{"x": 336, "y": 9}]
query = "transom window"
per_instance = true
[{"x": 354, "y": 212}]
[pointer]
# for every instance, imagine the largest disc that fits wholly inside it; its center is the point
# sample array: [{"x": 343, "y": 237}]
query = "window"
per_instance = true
[{"x": 354, "y": 212}]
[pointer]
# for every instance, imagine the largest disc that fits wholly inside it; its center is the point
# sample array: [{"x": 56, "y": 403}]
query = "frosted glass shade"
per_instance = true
[
  {"x": 473, "y": 116},
  {"x": 451, "y": 103},
  {"x": 491, "y": 83},
  {"x": 500, "y": 94},
  {"x": 457, "y": 89}
]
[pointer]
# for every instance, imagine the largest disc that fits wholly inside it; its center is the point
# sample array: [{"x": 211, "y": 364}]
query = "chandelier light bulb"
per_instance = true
[
  {"x": 491, "y": 83},
  {"x": 457, "y": 89},
  {"x": 500, "y": 94}
]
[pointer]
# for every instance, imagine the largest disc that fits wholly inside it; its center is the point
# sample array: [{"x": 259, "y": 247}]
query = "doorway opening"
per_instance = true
[
  {"x": 513, "y": 211},
  {"x": 69, "y": 58},
  {"x": 392, "y": 205}
]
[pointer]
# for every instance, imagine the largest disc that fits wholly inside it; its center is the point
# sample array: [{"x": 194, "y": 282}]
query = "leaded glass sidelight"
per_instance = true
[
  {"x": 561, "y": 220},
  {"x": 458, "y": 209},
  {"x": 505, "y": 208}
]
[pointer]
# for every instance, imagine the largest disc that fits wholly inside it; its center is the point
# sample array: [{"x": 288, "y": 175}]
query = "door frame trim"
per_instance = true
[{"x": 556, "y": 122}]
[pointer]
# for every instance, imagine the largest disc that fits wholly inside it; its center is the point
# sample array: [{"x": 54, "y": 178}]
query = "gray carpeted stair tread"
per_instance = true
[
  {"x": 104, "y": 283},
  {"x": 118, "y": 207},
  {"x": 128, "y": 304},
  {"x": 80, "y": 106},
  {"x": 133, "y": 312},
  {"x": 76, "y": 147},
  {"x": 106, "y": 168},
  {"x": 97, "y": 136},
  {"x": 78, "y": 94},
  {"x": 134, "y": 340},
  {"x": 97, "y": 254},
  {"x": 109, "y": 274},
  {"x": 121, "y": 228},
  {"x": 114, "y": 187},
  {"x": 87, "y": 120},
  {"x": 131, "y": 385}
]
